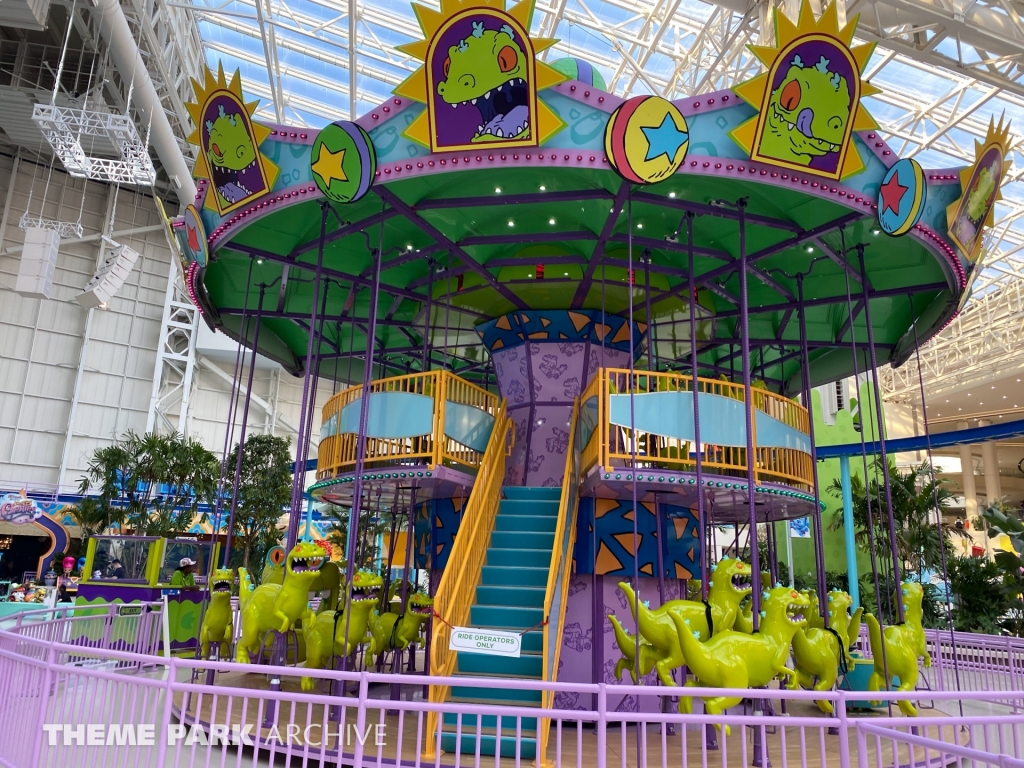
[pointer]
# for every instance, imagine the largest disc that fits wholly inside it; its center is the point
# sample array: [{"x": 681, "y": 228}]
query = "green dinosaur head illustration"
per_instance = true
[
  {"x": 366, "y": 587},
  {"x": 812, "y": 599},
  {"x": 808, "y": 113},
  {"x": 305, "y": 559},
  {"x": 730, "y": 578},
  {"x": 977, "y": 200},
  {"x": 229, "y": 144},
  {"x": 784, "y": 605},
  {"x": 487, "y": 72},
  {"x": 221, "y": 581},
  {"x": 421, "y": 604}
]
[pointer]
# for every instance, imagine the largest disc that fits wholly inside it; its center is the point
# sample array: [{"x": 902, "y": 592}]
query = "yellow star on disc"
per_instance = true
[{"x": 328, "y": 165}]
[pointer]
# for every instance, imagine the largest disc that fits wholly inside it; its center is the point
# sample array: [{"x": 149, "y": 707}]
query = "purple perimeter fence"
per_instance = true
[{"x": 63, "y": 704}]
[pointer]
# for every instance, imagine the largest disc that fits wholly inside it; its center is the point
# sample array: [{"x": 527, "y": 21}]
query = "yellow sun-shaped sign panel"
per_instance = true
[
  {"x": 229, "y": 143},
  {"x": 980, "y": 185},
  {"x": 480, "y": 77},
  {"x": 808, "y": 101}
]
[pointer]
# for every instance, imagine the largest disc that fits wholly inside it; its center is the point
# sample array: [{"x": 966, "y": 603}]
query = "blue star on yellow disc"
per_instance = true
[{"x": 665, "y": 139}]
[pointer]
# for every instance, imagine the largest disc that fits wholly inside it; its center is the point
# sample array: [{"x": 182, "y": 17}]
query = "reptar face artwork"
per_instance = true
[
  {"x": 229, "y": 143},
  {"x": 480, "y": 78},
  {"x": 488, "y": 72},
  {"x": 808, "y": 101},
  {"x": 808, "y": 113},
  {"x": 980, "y": 184}
]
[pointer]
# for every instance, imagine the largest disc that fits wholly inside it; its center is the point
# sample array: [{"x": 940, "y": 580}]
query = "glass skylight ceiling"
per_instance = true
[{"x": 294, "y": 56}]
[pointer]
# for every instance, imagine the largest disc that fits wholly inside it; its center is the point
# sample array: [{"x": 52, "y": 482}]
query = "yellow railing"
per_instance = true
[
  {"x": 560, "y": 574},
  {"x": 337, "y": 453},
  {"x": 457, "y": 590},
  {"x": 612, "y": 445}
]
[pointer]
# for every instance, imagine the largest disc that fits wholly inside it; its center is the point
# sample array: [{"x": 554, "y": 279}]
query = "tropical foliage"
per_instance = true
[
  {"x": 372, "y": 525},
  {"x": 151, "y": 484},
  {"x": 264, "y": 490},
  {"x": 920, "y": 540}
]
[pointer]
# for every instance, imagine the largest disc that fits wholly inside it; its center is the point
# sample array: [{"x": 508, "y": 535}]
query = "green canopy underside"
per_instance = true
[{"x": 563, "y": 235}]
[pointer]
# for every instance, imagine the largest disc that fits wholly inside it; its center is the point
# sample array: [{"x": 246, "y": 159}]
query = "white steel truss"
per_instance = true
[
  {"x": 984, "y": 340},
  {"x": 64, "y": 128},
  {"x": 175, "y": 359}
]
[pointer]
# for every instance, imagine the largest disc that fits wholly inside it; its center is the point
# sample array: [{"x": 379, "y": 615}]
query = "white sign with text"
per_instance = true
[{"x": 493, "y": 642}]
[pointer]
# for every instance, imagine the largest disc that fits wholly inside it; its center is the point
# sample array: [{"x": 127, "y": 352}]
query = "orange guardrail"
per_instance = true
[
  {"x": 610, "y": 445},
  {"x": 457, "y": 590},
  {"x": 560, "y": 573},
  {"x": 337, "y": 452}
]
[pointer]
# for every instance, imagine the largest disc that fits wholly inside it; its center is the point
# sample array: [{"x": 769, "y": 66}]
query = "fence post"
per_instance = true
[
  {"x": 165, "y": 717},
  {"x": 844, "y": 729},
  {"x": 602, "y": 724},
  {"x": 44, "y": 697},
  {"x": 862, "y": 749},
  {"x": 361, "y": 729}
]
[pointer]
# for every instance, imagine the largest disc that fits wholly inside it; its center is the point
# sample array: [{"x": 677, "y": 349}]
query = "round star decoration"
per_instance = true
[
  {"x": 343, "y": 162},
  {"x": 646, "y": 139},
  {"x": 193, "y": 240},
  {"x": 901, "y": 197}
]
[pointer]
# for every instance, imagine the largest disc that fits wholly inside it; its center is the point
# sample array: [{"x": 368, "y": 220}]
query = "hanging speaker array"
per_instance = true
[{"x": 109, "y": 277}]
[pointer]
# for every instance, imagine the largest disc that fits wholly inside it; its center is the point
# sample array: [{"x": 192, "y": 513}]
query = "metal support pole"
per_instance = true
[
  {"x": 755, "y": 562},
  {"x": 302, "y": 446},
  {"x": 896, "y": 570},
  {"x": 698, "y": 448},
  {"x": 819, "y": 544},
  {"x": 241, "y": 433}
]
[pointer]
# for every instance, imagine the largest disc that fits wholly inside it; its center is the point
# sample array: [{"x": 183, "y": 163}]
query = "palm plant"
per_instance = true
[
  {"x": 151, "y": 484},
  {"x": 921, "y": 543},
  {"x": 264, "y": 488}
]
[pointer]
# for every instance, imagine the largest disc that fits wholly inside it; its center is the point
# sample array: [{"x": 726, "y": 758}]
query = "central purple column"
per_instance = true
[{"x": 543, "y": 359}]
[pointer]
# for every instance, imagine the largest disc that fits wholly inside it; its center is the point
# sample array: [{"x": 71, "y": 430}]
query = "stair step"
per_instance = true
[
  {"x": 513, "y": 576},
  {"x": 519, "y": 558},
  {"x": 529, "y": 507},
  {"x": 531, "y": 492},
  {"x": 525, "y": 523},
  {"x": 489, "y": 723},
  {"x": 511, "y": 597},
  {"x": 494, "y": 694},
  {"x": 527, "y": 665},
  {"x": 518, "y": 619},
  {"x": 518, "y": 540},
  {"x": 526, "y": 747}
]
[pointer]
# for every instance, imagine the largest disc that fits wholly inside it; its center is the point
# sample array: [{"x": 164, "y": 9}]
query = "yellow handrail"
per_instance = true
[
  {"x": 609, "y": 447},
  {"x": 559, "y": 575},
  {"x": 457, "y": 590},
  {"x": 337, "y": 452}
]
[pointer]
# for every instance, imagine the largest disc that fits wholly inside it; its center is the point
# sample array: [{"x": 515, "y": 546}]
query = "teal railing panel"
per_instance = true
[
  {"x": 722, "y": 420},
  {"x": 468, "y": 425},
  {"x": 392, "y": 415}
]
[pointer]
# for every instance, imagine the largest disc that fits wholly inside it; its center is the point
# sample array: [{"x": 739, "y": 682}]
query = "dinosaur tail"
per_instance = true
[
  {"x": 696, "y": 655},
  {"x": 245, "y": 587},
  {"x": 853, "y": 629},
  {"x": 627, "y": 590},
  {"x": 875, "y": 636},
  {"x": 625, "y": 641}
]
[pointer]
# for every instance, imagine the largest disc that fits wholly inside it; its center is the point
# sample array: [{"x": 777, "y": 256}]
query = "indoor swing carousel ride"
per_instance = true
[{"x": 580, "y": 323}]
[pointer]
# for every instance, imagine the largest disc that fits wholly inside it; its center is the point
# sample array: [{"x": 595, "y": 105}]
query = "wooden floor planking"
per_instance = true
[{"x": 788, "y": 746}]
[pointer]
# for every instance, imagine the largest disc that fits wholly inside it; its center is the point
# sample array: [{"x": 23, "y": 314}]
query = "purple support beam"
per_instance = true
[
  {"x": 302, "y": 439},
  {"x": 896, "y": 571},
  {"x": 539, "y": 198},
  {"x": 755, "y": 565},
  {"x": 819, "y": 543},
  {"x": 876, "y": 294},
  {"x": 241, "y": 433},
  {"x": 602, "y": 242},
  {"x": 668, "y": 245},
  {"x": 431, "y": 231},
  {"x": 702, "y": 209},
  {"x": 364, "y": 416},
  {"x": 526, "y": 237},
  {"x": 698, "y": 448}
]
